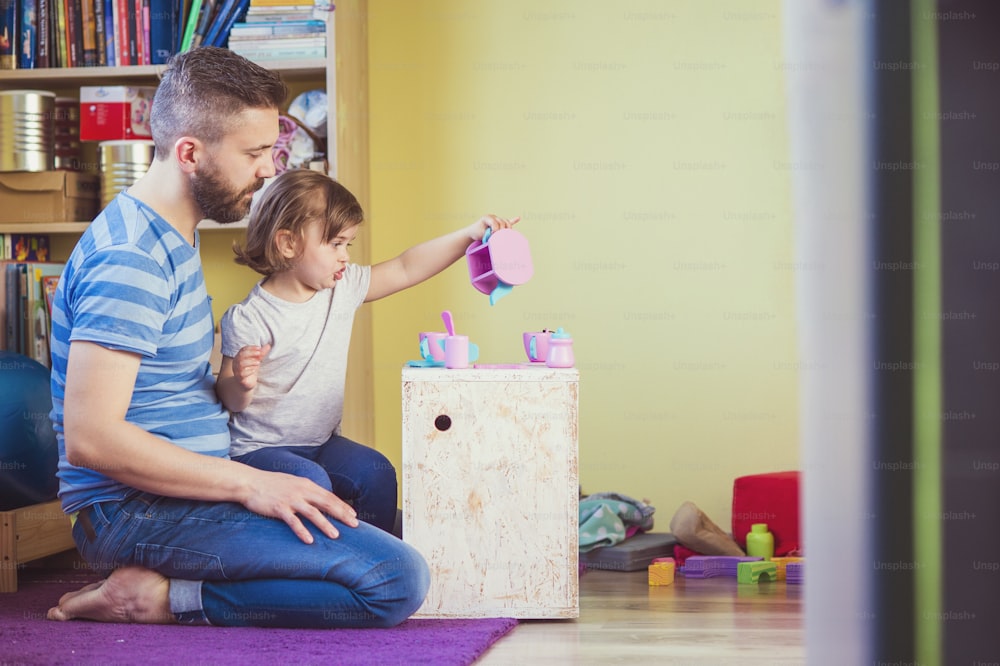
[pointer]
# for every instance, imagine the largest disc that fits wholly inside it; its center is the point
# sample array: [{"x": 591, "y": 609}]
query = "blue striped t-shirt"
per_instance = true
[{"x": 133, "y": 283}]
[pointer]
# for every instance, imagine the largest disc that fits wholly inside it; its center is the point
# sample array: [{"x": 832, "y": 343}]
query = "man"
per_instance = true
[{"x": 189, "y": 535}]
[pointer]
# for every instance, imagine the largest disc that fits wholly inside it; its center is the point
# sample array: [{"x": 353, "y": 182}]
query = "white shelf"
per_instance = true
[
  {"x": 290, "y": 70},
  {"x": 43, "y": 228},
  {"x": 80, "y": 227}
]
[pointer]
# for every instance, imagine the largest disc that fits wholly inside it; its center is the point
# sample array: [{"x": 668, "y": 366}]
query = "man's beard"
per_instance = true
[{"x": 217, "y": 200}]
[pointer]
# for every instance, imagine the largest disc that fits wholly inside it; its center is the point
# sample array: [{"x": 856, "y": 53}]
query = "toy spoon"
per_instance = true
[{"x": 449, "y": 324}]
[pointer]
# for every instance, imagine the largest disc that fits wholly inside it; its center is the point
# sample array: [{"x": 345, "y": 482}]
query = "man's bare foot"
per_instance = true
[{"x": 130, "y": 594}]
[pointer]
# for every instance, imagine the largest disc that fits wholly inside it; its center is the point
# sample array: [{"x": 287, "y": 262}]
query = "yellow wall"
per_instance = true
[
  {"x": 644, "y": 145},
  {"x": 227, "y": 282}
]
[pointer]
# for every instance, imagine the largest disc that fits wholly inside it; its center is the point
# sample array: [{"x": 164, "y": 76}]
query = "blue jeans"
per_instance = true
[
  {"x": 250, "y": 570},
  {"x": 357, "y": 474}
]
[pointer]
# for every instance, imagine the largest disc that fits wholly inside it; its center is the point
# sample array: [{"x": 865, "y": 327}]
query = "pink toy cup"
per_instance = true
[
  {"x": 432, "y": 345},
  {"x": 536, "y": 345},
  {"x": 456, "y": 351}
]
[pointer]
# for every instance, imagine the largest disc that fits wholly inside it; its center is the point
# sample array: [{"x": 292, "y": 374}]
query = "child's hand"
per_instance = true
[
  {"x": 246, "y": 363},
  {"x": 478, "y": 228}
]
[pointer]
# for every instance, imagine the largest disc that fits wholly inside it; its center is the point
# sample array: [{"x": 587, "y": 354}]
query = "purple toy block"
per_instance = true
[{"x": 707, "y": 566}]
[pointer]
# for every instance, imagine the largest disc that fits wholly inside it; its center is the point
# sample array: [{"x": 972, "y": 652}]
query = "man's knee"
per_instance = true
[{"x": 409, "y": 584}]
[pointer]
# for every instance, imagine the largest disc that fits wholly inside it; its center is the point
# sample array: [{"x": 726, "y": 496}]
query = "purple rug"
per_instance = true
[{"x": 26, "y": 637}]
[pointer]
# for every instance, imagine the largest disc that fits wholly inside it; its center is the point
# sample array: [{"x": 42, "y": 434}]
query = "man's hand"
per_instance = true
[{"x": 293, "y": 498}]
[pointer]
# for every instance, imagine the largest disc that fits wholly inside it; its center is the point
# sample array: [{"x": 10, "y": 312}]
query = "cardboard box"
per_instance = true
[
  {"x": 49, "y": 196},
  {"x": 112, "y": 113}
]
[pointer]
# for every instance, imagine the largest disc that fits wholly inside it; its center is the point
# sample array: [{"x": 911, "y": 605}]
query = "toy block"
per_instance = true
[
  {"x": 661, "y": 571},
  {"x": 707, "y": 566},
  {"x": 783, "y": 563},
  {"x": 751, "y": 572},
  {"x": 794, "y": 572}
]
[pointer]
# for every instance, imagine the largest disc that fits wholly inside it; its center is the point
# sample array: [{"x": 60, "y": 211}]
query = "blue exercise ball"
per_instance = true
[{"x": 29, "y": 452}]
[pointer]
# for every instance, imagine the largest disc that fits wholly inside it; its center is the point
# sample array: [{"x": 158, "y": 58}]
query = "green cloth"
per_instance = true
[{"x": 606, "y": 517}]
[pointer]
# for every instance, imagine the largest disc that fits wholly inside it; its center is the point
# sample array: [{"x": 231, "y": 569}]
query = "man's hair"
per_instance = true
[
  {"x": 203, "y": 92},
  {"x": 293, "y": 200}
]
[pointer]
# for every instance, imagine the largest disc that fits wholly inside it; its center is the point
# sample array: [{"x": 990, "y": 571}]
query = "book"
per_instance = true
[
  {"x": 141, "y": 31},
  {"x": 61, "y": 51},
  {"x": 208, "y": 8},
  {"x": 88, "y": 34},
  {"x": 49, "y": 284},
  {"x": 120, "y": 11},
  {"x": 100, "y": 48},
  {"x": 3, "y": 306},
  {"x": 17, "y": 288},
  {"x": 225, "y": 8},
  {"x": 275, "y": 14},
  {"x": 281, "y": 28},
  {"x": 183, "y": 9},
  {"x": 9, "y": 25},
  {"x": 132, "y": 25},
  {"x": 276, "y": 42},
  {"x": 11, "y": 294},
  {"x": 110, "y": 48},
  {"x": 74, "y": 33},
  {"x": 42, "y": 56},
  {"x": 267, "y": 52},
  {"x": 194, "y": 14},
  {"x": 162, "y": 30},
  {"x": 26, "y": 247},
  {"x": 27, "y": 37},
  {"x": 237, "y": 14},
  {"x": 38, "y": 323}
]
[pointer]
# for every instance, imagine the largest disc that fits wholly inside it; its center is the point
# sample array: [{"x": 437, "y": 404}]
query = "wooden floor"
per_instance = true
[{"x": 695, "y": 621}]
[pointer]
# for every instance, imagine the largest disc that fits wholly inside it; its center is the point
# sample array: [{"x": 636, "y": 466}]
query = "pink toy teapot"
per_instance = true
[
  {"x": 560, "y": 350},
  {"x": 499, "y": 262}
]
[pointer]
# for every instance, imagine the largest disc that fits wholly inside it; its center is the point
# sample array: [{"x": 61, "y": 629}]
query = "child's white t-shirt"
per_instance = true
[{"x": 299, "y": 399}]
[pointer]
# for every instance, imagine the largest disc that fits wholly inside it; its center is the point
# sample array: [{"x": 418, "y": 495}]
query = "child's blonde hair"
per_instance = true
[{"x": 293, "y": 200}]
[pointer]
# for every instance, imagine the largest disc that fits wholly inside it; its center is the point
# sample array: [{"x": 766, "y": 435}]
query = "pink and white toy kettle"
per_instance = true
[{"x": 560, "y": 350}]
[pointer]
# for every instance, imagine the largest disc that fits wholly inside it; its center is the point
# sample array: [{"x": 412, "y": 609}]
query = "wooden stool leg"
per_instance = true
[
  {"x": 30, "y": 533},
  {"x": 8, "y": 553}
]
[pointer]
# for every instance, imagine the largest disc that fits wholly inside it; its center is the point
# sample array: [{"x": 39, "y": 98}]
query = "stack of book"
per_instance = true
[
  {"x": 87, "y": 33},
  {"x": 27, "y": 282},
  {"x": 106, "y": 33},
  {"x": 280, "y": 30}
]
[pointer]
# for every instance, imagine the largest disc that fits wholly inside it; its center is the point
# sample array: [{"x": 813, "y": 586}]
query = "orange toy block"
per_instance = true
[
  {"x": 661, "y": 571},
  {"x": 782, "y": 563}
]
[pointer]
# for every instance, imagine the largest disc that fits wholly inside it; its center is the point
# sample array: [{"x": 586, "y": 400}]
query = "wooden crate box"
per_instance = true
[{"x": 491, "y": 489}]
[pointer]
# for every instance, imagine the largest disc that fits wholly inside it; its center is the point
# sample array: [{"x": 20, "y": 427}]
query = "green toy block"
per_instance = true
[{"x": 750, "y": 572}]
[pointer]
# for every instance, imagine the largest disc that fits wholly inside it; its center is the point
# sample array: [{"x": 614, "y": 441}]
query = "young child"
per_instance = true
[{"x": 285, "y": 346}]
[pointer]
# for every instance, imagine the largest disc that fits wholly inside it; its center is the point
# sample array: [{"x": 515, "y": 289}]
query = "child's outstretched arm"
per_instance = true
[
  {"x": 429, "y": 258},
  {"x": 238, "y": 377}
]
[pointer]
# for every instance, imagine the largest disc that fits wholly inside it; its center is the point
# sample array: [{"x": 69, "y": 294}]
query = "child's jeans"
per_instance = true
[{"x": 357, "y": 474}]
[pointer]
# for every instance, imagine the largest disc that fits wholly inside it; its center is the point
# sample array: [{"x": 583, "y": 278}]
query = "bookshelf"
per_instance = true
[{"x": 344, "y": 75}]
